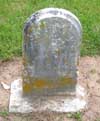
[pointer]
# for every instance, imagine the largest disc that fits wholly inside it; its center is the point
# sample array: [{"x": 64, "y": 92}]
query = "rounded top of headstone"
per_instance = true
[
  {"x": 51, "y": 13},
  {"x": 51, "y": 45}
]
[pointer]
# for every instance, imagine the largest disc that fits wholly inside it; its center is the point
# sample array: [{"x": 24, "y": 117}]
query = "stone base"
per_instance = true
[{"x": 26, "y": 104}]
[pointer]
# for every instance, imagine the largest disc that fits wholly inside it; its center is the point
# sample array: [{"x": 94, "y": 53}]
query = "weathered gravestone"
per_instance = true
[{"x": 51, "y": 44}]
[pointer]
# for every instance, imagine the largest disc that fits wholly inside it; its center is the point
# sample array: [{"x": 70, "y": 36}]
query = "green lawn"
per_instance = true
[{"x": 13, "y": 14}]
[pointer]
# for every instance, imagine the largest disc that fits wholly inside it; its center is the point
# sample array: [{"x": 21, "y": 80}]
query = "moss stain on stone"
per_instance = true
[
  {"x": 27, "y": 87},
  {"x": 66, "y": 81},
  {"x": 44, "y": 83},
  {"x": 42, "y": 25},
  {"x": 39, "y": 83}
]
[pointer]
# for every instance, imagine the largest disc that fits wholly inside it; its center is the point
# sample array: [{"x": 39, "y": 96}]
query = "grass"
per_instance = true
[
  {"x": 98, "y": 119},
  {"x": 4, "y": 113},
  {"x": 77, "y": 116},
  {"x": 13, "y": 14}
]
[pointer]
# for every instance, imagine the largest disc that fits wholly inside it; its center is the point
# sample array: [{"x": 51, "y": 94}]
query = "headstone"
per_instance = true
[{"x": 51, "y": 50}]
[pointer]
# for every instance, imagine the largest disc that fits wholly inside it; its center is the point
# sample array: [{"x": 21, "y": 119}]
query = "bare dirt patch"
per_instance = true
[{"x": 89, "y": 78}]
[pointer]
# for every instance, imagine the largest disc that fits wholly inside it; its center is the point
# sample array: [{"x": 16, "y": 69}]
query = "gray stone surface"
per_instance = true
[
  {"x": 51, "y": 52},
  {"x": 21, "y": 104},
  {"x": 52, "y": 38}
]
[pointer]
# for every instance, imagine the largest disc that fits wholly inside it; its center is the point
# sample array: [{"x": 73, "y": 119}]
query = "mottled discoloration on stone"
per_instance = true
[
  {"x": 61, "y": 103},
  {"x": 40, "y": 84},
  {"x": 51, "y": 51}
]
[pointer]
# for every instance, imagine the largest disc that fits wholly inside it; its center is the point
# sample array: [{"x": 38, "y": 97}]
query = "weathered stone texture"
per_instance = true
[{"x": 51, "y": 51}]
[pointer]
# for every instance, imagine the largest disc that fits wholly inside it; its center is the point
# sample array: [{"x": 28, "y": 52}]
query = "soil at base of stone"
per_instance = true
[{"x": 89, "y": 78}]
